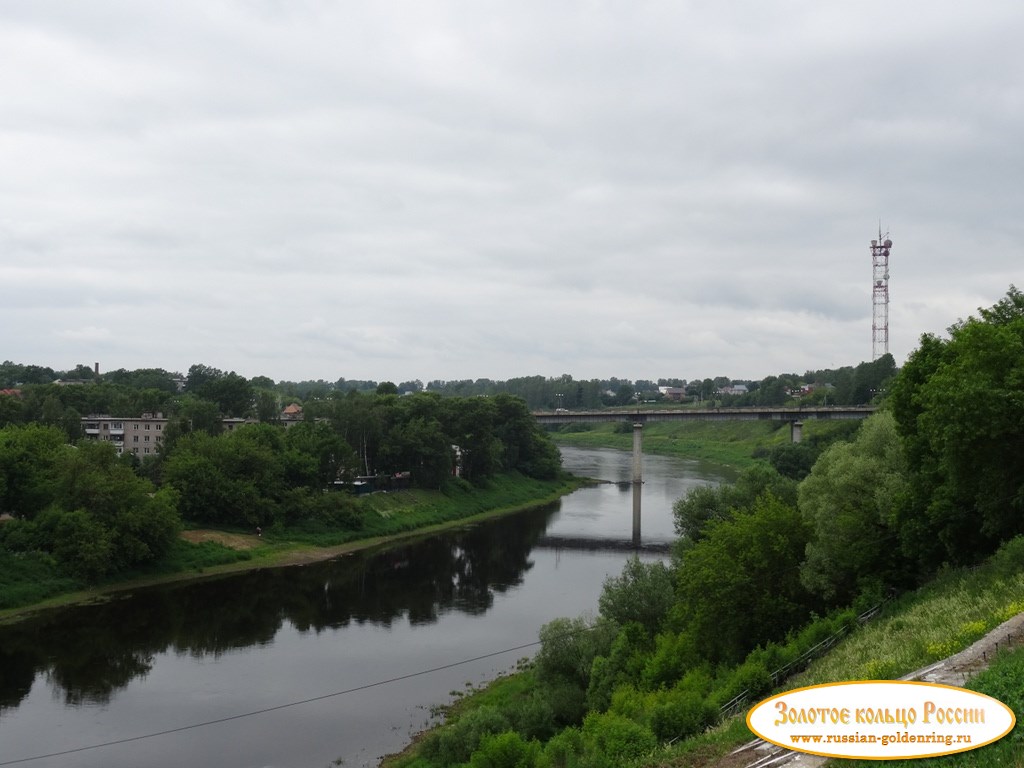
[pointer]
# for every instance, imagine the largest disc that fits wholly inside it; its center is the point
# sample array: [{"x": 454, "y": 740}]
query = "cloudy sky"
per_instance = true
[{"x": 444, "y": 190}]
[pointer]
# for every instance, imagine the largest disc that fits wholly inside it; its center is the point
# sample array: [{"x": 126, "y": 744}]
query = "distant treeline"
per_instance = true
[{"x": 206, "y": 393}]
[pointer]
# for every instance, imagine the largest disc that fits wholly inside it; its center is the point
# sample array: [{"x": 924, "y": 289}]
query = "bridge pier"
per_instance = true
[
  {"x": 796, "y": 431},
  {"x": 638, "y": 479}
]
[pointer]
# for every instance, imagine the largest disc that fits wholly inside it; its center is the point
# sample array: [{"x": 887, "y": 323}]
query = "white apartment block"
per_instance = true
[{"x": 140, "y": 436}]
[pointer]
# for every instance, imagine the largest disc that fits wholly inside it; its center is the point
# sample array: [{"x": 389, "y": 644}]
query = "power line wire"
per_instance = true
[{"x": 272, "y": 709}]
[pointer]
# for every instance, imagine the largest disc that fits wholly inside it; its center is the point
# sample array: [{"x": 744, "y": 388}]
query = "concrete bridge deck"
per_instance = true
[{"x": 704, "y": 414}]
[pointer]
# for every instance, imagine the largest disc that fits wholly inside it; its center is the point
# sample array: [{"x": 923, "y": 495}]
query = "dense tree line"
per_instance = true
[
  {"x": 96, "y": 513},
  {"x": 935, "y": 478},
  {"x": 206, "y": 393}
]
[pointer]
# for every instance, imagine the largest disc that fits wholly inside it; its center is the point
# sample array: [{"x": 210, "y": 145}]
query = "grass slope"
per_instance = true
[{"x": 733, "y": 443}]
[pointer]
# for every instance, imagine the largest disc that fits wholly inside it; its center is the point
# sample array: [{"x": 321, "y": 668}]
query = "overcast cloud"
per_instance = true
[{"x": 447, "y": 190}]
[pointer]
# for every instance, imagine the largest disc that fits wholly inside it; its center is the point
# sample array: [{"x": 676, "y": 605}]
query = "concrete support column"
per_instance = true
[
  {"x": 638, "y": 479},
  {"x": 796, "y": 430}
]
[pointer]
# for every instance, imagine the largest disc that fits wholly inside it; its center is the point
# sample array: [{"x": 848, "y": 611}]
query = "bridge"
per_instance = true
[
  {"x": 791, "y": 415},
  {"x": 638, "y": 417}
]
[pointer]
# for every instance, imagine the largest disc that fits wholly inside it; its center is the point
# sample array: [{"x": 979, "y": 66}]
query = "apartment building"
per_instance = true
[{"x": 140, "y": 436}]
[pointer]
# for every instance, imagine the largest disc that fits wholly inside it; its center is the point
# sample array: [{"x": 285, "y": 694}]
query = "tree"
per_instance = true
[
  {"x": 12, "y": 411},
  {"x": 849, "y": 500},
  {"x": 958, "y": 405},
  {"x": 199, "y": 375},
  {"x": 232, "y": 393},
  {"x": 643, "y": 593},
  {"x": 266, "y": 406},
  {"x": 29, "y": 456},
  {"x": 197, "y": 415},
  {"x": 139, "y": 522},
  {"x": 330, "y": 454},
  {"x": 737, "y": 587},
  {"x": 772, "y": 392},
  {"x": 704, "y": 504},
  {"x": 235, "y": 479}
]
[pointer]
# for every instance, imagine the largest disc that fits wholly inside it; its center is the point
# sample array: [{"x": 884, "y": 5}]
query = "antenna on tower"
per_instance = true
[{"x": 880, "y": 294}]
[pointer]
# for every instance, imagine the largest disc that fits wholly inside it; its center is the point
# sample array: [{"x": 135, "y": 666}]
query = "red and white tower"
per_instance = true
[{"x": 880, "y": 294}]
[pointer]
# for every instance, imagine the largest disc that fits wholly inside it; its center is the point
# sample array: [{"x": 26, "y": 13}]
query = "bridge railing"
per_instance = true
[{"x": 707, "y": 414}]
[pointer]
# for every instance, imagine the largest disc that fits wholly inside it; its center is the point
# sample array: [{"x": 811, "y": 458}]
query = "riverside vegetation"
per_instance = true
[
  {"x": 81, "y": 516},
  {"x": 924, "y": 493}
]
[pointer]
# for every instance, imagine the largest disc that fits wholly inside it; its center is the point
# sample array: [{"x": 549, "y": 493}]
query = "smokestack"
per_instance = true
[{"x": 96, "y": 367}]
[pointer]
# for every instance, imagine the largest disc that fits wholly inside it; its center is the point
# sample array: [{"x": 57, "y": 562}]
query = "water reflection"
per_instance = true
[
  {"x": 90, "y": 652},
  {"x": 175, "y": 656}
]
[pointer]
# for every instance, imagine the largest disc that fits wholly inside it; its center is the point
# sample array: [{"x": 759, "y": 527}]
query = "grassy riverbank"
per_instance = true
[
  {"x": 737, "y": 444},
  {"x": 32, "y": 583}
]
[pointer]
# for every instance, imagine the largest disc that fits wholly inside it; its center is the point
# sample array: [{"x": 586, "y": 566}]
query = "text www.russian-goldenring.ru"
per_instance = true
[{"x": 885, "y": 740}]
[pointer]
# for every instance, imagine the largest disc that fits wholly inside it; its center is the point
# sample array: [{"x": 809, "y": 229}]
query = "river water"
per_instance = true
[{"x": 334, "y": 663}]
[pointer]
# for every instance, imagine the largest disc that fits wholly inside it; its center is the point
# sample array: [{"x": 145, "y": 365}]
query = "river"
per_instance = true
[{"x": 334, "y": 663}]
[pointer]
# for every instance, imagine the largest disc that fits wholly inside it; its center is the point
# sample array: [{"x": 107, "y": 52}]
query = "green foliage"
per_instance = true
[
  {"x": 679, "y": 714},
  {"x": 757, "y": 597},
  {"x": 569, "y": 647},
  {"x": 235, "y": 479},
  {"x": 188, "y": 556},
  {"x": 937, "y": 620},
  {"x": 99, "y": 517},
  {"x": 505, "y": 750},
  {"x": 674, "y": 653},
  {"x": 28, "y": 460},
  {"x": 850, "y": 501},
  {"x": 456, "y": 742},
  {"x": 562, "y": 750},
  {"x": 532, "y": 717},
  {"x": 642, "y": 593},
  {"x": 704, "y": 505},
  {"x": 793, "y": 460},
  {"x": 564, "y": 662},
  {"x": 612, "y": 740},
  {"x": 957, "y": 404},
  {"x": 623, "y": 664},
  {"x": 28, "y": 577}
]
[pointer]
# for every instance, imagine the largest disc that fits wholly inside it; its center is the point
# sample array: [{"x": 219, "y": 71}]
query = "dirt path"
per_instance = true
[{"x": 954, "y": 670}]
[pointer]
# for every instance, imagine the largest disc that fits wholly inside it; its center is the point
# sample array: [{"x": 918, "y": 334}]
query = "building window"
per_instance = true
[
  {"x": 135, "y": 438},
  {"x": 147, "y": 426},
  {"x": 159, "y": 427},
  {"x": 135, "y": 426},
  {"x": 147, "y": 438},
  {"x": 145, "y": 450}
]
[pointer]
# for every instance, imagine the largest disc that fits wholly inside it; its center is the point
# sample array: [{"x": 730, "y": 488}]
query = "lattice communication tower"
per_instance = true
[{"x": 880, "y": 294}]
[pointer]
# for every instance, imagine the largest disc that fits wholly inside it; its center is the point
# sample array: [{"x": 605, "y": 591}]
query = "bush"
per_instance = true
[
  {"x": 569, "y": 647},
  {"x": 455, "y": 743},
  {"x": 623, "y": 664},
  {"x": 567, "y": 701},
  {"x": 750, "y": 676},
  {"x": 563, "y": 750},
  {"x": 533, "y": 717},
  {"x": 680, "y": 714},
  {"x": 611, "y": 740},
  {"x": 643, "y": 593},
  {"x": 505, "y": 750},
  {"x": 674, "y": 653}
]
